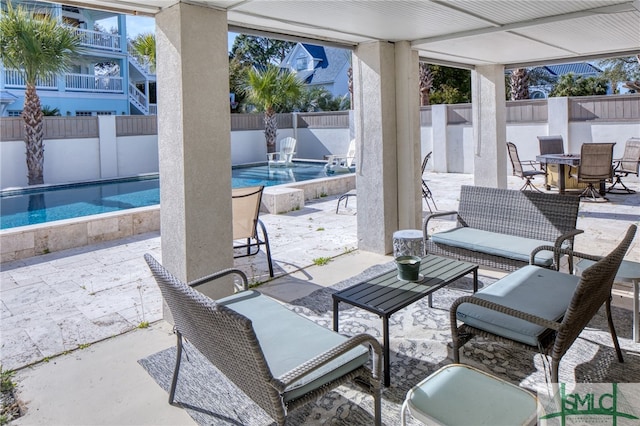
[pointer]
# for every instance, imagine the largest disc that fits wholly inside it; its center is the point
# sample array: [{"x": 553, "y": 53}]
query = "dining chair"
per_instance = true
[
  {"x": 426, "y": 191},
  {"x": 518, "y": 169},
  {"x": 551, "y": 144},
  {"x": 625, "y": 166},
  {"x": 595, "y": 167}
]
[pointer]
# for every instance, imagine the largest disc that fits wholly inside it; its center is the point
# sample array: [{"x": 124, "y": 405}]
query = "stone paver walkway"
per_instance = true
[{"x": 58, "y": 302}]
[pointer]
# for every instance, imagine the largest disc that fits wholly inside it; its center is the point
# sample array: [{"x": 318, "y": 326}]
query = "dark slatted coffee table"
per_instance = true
[{"x": 386, "y": 294}]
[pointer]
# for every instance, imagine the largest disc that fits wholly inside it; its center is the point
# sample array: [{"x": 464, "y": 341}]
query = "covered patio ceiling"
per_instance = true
[{"x": 461, "y": 33}]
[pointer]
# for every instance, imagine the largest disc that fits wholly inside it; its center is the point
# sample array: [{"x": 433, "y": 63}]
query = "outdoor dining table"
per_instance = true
[{"x": 562, "y": 160}]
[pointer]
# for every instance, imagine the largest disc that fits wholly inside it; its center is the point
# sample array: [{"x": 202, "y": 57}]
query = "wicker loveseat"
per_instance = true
[
  {"x": 278, "y": 358},
  {"x": 499, "y": 228}
]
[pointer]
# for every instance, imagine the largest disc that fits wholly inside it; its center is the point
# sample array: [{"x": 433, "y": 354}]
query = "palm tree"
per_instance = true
[
  {"x": 271, "y": 90},
  {"x": 37, "y": 47},
  {"x": 426, "y": 83},
  {"x": 144, "y": 46},
  {"x": 519, "y": 84}
]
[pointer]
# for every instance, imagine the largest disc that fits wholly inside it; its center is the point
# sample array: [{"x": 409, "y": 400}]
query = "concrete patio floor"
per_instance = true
[{"x": 69, "y": 319}]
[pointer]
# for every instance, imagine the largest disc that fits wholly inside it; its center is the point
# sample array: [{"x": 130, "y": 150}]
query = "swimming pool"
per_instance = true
[{"x": 40, "y": 205}]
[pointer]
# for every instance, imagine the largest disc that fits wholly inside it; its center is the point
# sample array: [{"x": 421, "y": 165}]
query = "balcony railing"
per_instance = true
[
  {"x": 93, "y": 83},
  {"x": 138, "y": 98},
  {"x": 98, "y": 40},
  {"x": 14, "y": 79},
  {"x": 72, "y": 82}
]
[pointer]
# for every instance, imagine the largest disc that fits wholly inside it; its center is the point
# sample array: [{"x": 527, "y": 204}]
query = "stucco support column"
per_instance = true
[
  {"x": 387, "y": 123},
  {"x": 408, "y": 136},
  {"x": 194, "y": 142},
  {"x": 489, "y": 126}
]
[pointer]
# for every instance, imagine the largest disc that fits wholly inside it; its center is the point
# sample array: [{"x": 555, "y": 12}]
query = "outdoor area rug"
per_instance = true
[{"x": 418, "y": 347}]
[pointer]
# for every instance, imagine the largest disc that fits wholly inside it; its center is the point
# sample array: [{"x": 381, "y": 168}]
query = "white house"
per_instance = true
[{"x": 320, "y": 66}]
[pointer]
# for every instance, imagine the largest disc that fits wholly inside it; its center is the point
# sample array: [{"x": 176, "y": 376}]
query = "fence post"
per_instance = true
[
  {"x": 108, "y": 147},
  {"x": 558, "y": 121},
  {"x": 439, "y": 121}
]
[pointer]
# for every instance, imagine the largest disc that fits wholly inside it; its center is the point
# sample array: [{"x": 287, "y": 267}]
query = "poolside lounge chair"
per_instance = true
[
  {"x": 343, "y": 163},
  {"x": 246, "y": 208},
  {"x": 284, "y": 157}
]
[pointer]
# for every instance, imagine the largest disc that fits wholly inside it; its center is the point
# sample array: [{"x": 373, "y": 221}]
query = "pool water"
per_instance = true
[{"x": 33, "y": 206}]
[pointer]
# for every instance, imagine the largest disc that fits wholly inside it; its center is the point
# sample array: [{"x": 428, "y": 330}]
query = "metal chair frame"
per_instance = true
[
  {"x": 518, "y": 169},
  {"x": 426, "y": 191}
]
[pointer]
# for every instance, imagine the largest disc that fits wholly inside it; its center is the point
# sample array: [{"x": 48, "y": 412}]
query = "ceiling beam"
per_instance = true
[
  {"x": 617, "y": 8},
  {"x": 571, "y": 59},
  {"x": 289, "y": 37}
]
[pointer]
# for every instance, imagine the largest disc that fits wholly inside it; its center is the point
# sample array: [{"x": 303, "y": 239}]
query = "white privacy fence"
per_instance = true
[{"x": 89, "y": 148}]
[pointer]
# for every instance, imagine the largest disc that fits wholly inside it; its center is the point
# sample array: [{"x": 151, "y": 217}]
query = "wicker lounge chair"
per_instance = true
[
  {"x": 278, "y": 358},
  {"x": 245, "y": 204},
  {"x": 518, "y": 169},
  {"x": 540, "y": 309},
  {"x": 625, "y": 166}
]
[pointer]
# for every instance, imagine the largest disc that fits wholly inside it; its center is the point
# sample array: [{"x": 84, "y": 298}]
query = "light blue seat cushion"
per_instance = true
[
  {"x": 496, "y": 244},
  {"x": 288, "y": 340},
  {"x": 531, "y": 289},
  {"x": 462, "y": 395}
]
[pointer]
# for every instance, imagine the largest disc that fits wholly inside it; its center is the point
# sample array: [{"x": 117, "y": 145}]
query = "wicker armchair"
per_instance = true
[
  {"x": 278, "y": 358},
  {"x": 540, "y": 309}
]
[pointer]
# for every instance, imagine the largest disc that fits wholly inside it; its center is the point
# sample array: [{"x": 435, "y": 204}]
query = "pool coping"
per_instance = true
[{"x": 33, "y": 240}]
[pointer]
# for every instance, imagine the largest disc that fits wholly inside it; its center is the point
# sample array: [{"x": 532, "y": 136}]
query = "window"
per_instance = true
[
  {"x": 92, "y": 113},
  {"x": 14, "y": 113},
  {"x": 301, "y": 63}
]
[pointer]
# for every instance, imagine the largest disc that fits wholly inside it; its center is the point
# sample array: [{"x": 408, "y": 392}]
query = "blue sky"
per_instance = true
[{"x": 142, "y": 24}]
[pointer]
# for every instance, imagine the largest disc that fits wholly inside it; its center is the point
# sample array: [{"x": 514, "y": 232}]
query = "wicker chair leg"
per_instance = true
[
  {"x": 377, "y": 404},
  {"x": 612, "y": 329},
  {"x": 555, "y": 368},
  {"x": 174, "y": 381}
]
